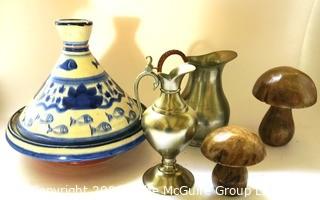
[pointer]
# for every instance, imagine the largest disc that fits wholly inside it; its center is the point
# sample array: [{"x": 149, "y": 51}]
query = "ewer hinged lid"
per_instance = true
[{"x": 79, "y": 105}]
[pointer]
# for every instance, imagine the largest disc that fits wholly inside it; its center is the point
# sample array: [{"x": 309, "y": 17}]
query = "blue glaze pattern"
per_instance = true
[
  {"x": 95, "y": 63},
  {"x": 82, "y": 98},
  {"x": 45, "y": 120},
  {"x": 71, "y": 49},
  {"x": 109, "y": 117},
  {"x": 77, "y": 158},
  {"x": 103, "y": 127},
  {"x": 132, "y": 128},
  {"x": 69, "y": 65},
  {"x": 118, "y": 112},
  {"x": 132, "y": 116},
  {"x": 60, "y": 129},
  {"x": 76, "y": 81},
  {"x": 62, "y": 89},
  {"x": 75, "y": 44},
  {"x": 84, "y": 93},
  {"x": 82, "y": 120},
  {"x": 99, "y": 87}
]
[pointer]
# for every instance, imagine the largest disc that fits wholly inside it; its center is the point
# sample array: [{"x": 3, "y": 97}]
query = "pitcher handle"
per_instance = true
[
  {"x": 169, "y": 53},
  {"x": 147, "y": 72}
]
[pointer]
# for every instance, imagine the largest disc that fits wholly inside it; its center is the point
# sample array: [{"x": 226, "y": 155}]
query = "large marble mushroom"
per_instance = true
[
  {"x": 284, "y": 88},
  {"x": 233, "y": 148}
]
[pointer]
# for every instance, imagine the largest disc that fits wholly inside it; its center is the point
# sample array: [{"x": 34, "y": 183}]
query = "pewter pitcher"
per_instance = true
[
  {"x": 204, "y": 92},
  {"x": 169, "y": 125}
]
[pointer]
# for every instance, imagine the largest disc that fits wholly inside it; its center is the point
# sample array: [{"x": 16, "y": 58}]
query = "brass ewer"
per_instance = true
[
  {"x": 169, "y": 125},
  {"x": 204, "y": 92}
]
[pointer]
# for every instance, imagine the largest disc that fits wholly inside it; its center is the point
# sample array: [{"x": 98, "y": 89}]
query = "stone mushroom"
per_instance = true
[
  {"x": 283, "y": 88},
  {"x": 232, "y": 148}
]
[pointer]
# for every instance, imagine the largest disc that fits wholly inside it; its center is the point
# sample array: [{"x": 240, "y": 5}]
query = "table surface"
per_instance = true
[{"x": 289, "y": 172}]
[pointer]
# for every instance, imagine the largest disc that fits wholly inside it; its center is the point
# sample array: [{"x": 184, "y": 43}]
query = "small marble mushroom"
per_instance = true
[
  {"x": 284, "y": 88},
  {"x": 232, "y": 148}
]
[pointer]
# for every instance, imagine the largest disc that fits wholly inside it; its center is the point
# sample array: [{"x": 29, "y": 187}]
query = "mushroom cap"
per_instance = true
[
  {"x": 233, "y": 146},
  {"x": 285, "y": 87}
]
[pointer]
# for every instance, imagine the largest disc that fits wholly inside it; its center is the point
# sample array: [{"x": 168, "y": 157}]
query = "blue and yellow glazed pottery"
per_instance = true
[{"x": 80, "y": 113}]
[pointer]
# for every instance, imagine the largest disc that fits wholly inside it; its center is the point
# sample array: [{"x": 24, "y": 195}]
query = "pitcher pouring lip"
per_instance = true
[
  {"x": 171, "y": 82},
  {"x": 213, "y": 58}
]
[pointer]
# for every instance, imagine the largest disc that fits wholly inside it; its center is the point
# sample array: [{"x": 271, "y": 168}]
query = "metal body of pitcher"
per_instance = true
[{"x": 204, "y": 92}]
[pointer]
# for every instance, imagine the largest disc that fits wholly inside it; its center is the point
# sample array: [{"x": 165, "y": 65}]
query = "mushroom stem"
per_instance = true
[
  {"x": 277, "y": 126},
  {"x": 230, "y": 181}
]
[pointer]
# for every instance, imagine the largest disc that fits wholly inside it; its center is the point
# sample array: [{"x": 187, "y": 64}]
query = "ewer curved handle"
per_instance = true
[
  {"x": 169, "y": 53},
  {"x": 147, "y": 72}
]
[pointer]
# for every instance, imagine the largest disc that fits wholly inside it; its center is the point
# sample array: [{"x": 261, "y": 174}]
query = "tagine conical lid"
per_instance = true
[{"x": 79, "y": 103}]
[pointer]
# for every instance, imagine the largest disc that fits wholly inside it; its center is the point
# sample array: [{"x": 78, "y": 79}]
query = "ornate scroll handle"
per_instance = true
[{"x": 147, "y": 72}]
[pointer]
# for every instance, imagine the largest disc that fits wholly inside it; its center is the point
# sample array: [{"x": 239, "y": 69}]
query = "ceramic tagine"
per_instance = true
[{"x": 80, "y": 114}]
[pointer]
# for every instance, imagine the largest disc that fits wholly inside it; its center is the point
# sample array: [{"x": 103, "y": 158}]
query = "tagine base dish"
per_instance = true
[
  {"x": 168, "y": 184},
  {"x": 79, "y": 154}
]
